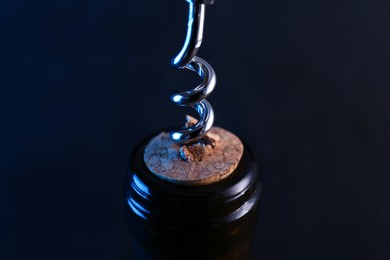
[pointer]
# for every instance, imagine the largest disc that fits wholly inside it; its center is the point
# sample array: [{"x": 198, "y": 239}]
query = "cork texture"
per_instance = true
[{"x": 197, "y": 164}]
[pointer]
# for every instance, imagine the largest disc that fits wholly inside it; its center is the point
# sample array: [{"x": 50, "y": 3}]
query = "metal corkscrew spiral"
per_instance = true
[{"x": 187, "y": 59}]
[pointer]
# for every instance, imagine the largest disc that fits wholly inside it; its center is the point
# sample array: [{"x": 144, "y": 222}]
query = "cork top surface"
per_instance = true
[{"x": 196, "y": 164}]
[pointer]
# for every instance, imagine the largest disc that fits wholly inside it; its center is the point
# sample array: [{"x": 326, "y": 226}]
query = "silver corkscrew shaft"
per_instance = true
[{"x": 187, "y": 59}]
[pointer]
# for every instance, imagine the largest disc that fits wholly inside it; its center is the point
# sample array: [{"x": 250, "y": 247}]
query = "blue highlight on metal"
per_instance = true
[
  {"x": 187, "y": 59},
  {"x": 176, "y": 136},
  {"x": 177, "y": 62},
  {"x": 177, "y": 98}
]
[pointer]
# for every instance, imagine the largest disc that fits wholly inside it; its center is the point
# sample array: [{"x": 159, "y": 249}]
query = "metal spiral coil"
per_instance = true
[{"x": 187, "y": 59}]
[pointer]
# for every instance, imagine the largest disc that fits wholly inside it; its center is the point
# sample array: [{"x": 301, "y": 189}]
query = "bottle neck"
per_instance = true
[{"x": 179, "y": 221}]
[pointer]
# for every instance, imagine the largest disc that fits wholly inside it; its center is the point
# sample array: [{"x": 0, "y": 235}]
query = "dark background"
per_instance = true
[{"x": 305, "y": 83}]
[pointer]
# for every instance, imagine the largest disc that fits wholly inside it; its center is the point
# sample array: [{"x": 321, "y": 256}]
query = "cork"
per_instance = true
[{"x": 209, "y": 161}]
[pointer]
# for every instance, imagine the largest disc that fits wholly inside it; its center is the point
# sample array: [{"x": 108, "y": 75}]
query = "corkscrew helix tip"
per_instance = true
[{"x": 187, "y": 59}]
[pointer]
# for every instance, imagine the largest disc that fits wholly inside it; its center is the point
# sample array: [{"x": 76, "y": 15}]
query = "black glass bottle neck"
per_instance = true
[{"x": 177, "y": 219}]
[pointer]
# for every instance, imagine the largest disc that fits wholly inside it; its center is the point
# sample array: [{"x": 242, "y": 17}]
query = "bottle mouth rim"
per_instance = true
[{"x": 153, "y": 199}]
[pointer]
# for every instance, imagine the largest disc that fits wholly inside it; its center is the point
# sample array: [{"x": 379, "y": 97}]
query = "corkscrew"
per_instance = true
[
  {"x": 203, "y": 187},
  {"x": 187, "y": 59}
]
